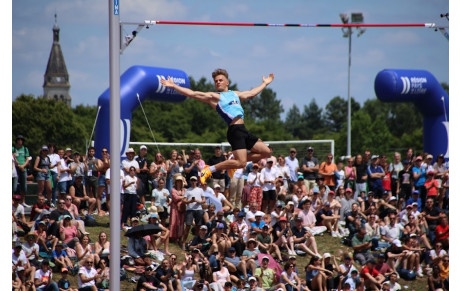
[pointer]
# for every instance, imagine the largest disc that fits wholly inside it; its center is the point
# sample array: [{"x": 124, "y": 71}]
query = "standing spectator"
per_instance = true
[
  {"x": 64, "y": 176},
  {"x": 130, "y": 184},
  {"x": 218, "y": 177},
  {"x": 158, "y": 169},
  {"x": 77, "y": 166},
  {"x": 431, "y": 185},
  {"x": 441, "y": 174},
  {"x": 194, "y": 165},
  {"x": 130, "y": 162},
  {"x": 22, "y": 159},
  {"x": 175, "y": 166},
  {"x": 176, "y": 219},
  {"x": 92, "y": 167},
  {"x": 404, "y": 183},
  {"x": 310, "y": 168},
  {"x": 193, "y": 199},
  {"x": 376, "y": 174},
  {"x": 350, "y": 174},
  {"x": 143, "y": 174},
  {"x": 361, "y": 176},
  {"x": 268, "y": 178},
  {"x": 101, "y": 183},
  {"x": 161, "y": 200},
  {"x": 44, "y": 278},
  {"x": 54, "y": 160},
  {"x": 87, "y": 276},
  {"x": 283, "y": 170},
  {"x": 327, "y": 169},
  {"x": 419, "y": 175},
  {"x": 293, "y": 163},
  {"x": 42, "y": 165},
  {"x": 394, "y": 170},
  {"x": 236, "y": 188}
]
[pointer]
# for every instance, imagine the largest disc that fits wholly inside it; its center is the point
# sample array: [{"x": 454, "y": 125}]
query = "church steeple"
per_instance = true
[{"x": 56, "y": 85}]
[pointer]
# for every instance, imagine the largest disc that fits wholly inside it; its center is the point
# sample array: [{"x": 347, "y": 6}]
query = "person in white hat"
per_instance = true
[
  {"x": 268, "y": 177},
  {"x": 227, "y": 103},
  {"x": 130, "y": 162}
]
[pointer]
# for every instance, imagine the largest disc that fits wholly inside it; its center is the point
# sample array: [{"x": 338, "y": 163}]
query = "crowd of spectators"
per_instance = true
[{"x": 241, "y": 233}]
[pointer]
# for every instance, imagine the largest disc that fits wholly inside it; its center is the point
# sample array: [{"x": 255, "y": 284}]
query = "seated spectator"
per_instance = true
[
  {"x": 72, "y": 208},
  {"x": 393, "y": 284},
  {"x": 79, "y": 197},
  {"x": 266, "y": 245},
  {"x": 187, "y": 272},
  {"x": 64, "y": 283},
  {"x": 87, "y": 276},
  {"x": 326, "y": 217},
  {"x": 309, "y": 218},
  {"x": 253, "y": 284},
  {"x": 250, "y": 255},
  {"x": 392, "y": 230},
  {"x": 278, "y": 212},
  {"x": 210, "y": 214},
  {"x": 316, "y": 274},
  {"x": 387, "y": 205},
  {"x": 372, "y": 278},
  {"x": 103, "y": 269},
  {"x": 257, "y": 224},
  {"x": 437, "y": 253},
  {"x": 361, "y": 243},
  {"x": 435, "y": 281},
  {"x": 226, "y": 205},
  {"x": 331, "y": 266},
  {"x": 345, "y": 270},
  {"x": 290, "y": 279},
  {"x": 442, "y": 231},
  {"x": 219, "y": 218},
  {"x": 202, "y": 241},
  {"x": 415, "y": 252},
  {"x": 148, "y": 281},
  {"x": 432, "y": 214},
  {"x": 61, "y": 259},
  {"x": 334, "y": 204},
  {"x": 19, "y": 260},
  {"x": 303, "y": 239},
  {"x": 84, "y": 250},
  {"x": 157, "y": 239},
  {"x": 236, "y": 238},
  {"x": 354, "y": 219},
  {"x": 38, "y": 207},
  {"x": 102, "y": 245},
  {"x": 444, "y": 270},
  {"x": 68, "y": 232},
  {"x": 237, "y": 266},
  {"x": 43, "y": 279},
  {"x": 413, "y": 227},
  {"x": 220, "y": 276},
  {"x": 352, "y": 282},
  {"x": 166, "y": 275},
  {"x": 298, "y": 195},
  {"x": 220, "y": 240},
  {"x": 383, "y": 267},
  {"x": 46, "y": 243},
  {"x": 283, "y": 237},
  {"x": 31, "y": 248},
  {"x": 137, "y": 248},
  {"x": 266, "y": 276}
]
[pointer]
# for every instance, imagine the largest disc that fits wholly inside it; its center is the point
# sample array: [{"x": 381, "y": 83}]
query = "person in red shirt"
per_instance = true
[
  {"x": 38, "y": 207},
  {"x": 327, "y": 170},
  {"x": 382, "y": 266},
  {"x": 431, "y": 185},
  {"x": 372, "y": 277},
  {"x": 442, "y": 231}
]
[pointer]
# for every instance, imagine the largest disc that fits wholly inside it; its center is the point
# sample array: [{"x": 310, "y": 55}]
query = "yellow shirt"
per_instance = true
[{"x": 444, "y": 271}]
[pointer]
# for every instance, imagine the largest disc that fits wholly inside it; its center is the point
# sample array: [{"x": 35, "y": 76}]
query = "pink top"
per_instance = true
[{"x": 69, "y": 233}]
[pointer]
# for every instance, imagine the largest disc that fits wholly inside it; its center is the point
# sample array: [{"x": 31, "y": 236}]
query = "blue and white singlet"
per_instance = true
[{"x": 229, "y": 106}]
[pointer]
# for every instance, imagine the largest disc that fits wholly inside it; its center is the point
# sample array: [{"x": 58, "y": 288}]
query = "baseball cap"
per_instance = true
[
  {"x": 252, "y": 279},
  {"x": 372, "y": 261},
  {"x": 255, "y": 166},
  {"x": 429, "y": 156},
  {"x": 216, "y": 186},
  {"x": 381, "y": 256},
  {"x": 298, "y": 218},
  {"x": 265, "y": 258},
  {"x": 430, "y": 172},
  {"x": 149, "y": 268},
  {"x": 68, "y": 149},
  {"x": 290, "y": 203},
  {"x": 283, "y": 218},
  {"x": 415, "y": 192},
  {"x": 310, "y": 148},
  {"x": 231, "y": 249},
  {"x": 19, "y": 269},
  {"x": 413, "y": 235},
  {"x": 327, "y": 203},
  {"x": 405, "y": 162},
  {"x": 241, "y": 214},
  {"x": 409, "y": 206},
  {"x": 193, "y": 178},
  {"x": 397, "y": 243},
  {"x": 279, "y": 204},
  {"x": 349, "y": 190},
  {"x": 326, "y": 255},
  {"x": 393, "y": 198},
  {"x": 64, "y": 270},
  {"x": 16, "y": 197},
  {"x": 220, "y": 225},
  {"x": 143, "y": 147},
  {"x": 415, "y": 204},
  {"x": 265, "y": 226},
  {"x": 45, "y": 148},
  {"x": 300, "y": 177},
  {"x": 331, "y": 192},
  {"x": 259, "y": 213},
  {"x": 134, "y": 218},
  {"x": 292, "y": 257},
  {"x": 20, "y": 137},
  {"x": 204, "y": 227},
  {"x": 154, "y": 215},
  {"x": 419, "y": 158},
  {"x": 269, "y": 160},
  {"x": 374, "y": 157},
  {"x": 130, "y": 150}
]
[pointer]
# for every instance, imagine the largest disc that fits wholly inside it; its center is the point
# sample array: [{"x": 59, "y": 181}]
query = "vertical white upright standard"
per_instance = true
[{"x": 114, "y": 72}]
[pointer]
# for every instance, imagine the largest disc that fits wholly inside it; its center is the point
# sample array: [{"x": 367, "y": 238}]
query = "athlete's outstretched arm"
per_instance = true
[
  {"x": 205, "y": 97},
  {"x": 255, "y": 91}
]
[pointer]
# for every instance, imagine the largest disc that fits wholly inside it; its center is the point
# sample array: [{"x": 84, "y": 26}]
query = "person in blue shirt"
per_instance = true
[
  {"x": 227, "y": 103},
  {"x": 375, "y": 173}
]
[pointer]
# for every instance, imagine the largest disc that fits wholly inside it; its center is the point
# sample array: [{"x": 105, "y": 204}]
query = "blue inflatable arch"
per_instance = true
[
  {"x": 141, "y": 80},
  {"x": 421, "y": 88}
]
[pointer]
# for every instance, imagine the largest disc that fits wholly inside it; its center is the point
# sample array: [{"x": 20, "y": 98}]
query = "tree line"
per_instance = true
[{"x": 381, "y": 127}]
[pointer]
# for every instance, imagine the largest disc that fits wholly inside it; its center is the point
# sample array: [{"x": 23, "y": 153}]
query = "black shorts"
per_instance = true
[
  {"x": 269, "y": 195},
  {"x": 240, "y": 138}
]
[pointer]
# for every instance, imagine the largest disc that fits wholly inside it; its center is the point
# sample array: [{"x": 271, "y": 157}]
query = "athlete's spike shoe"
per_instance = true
[{"x": 205, "y": 174}]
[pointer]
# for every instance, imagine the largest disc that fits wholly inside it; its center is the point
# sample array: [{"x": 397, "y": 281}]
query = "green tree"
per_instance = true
[
  {"x": 294, "y": 122},
  {"x": 313, "y": 118},
  {"x": 264, "y": 107},
  {"x": 336, "y": 113}
]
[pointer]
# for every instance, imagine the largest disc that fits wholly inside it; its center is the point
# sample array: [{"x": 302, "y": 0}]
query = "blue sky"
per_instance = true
[{"x": 307, "y": 62}]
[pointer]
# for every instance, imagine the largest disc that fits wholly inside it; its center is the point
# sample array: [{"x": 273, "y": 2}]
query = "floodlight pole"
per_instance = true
[
  {"x": 349, "y": 97},
  {"x": 114, "y": 72}
]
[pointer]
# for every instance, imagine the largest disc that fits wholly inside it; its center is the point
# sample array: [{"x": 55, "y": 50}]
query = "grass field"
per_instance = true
[{"x": 326, "y": 243}]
